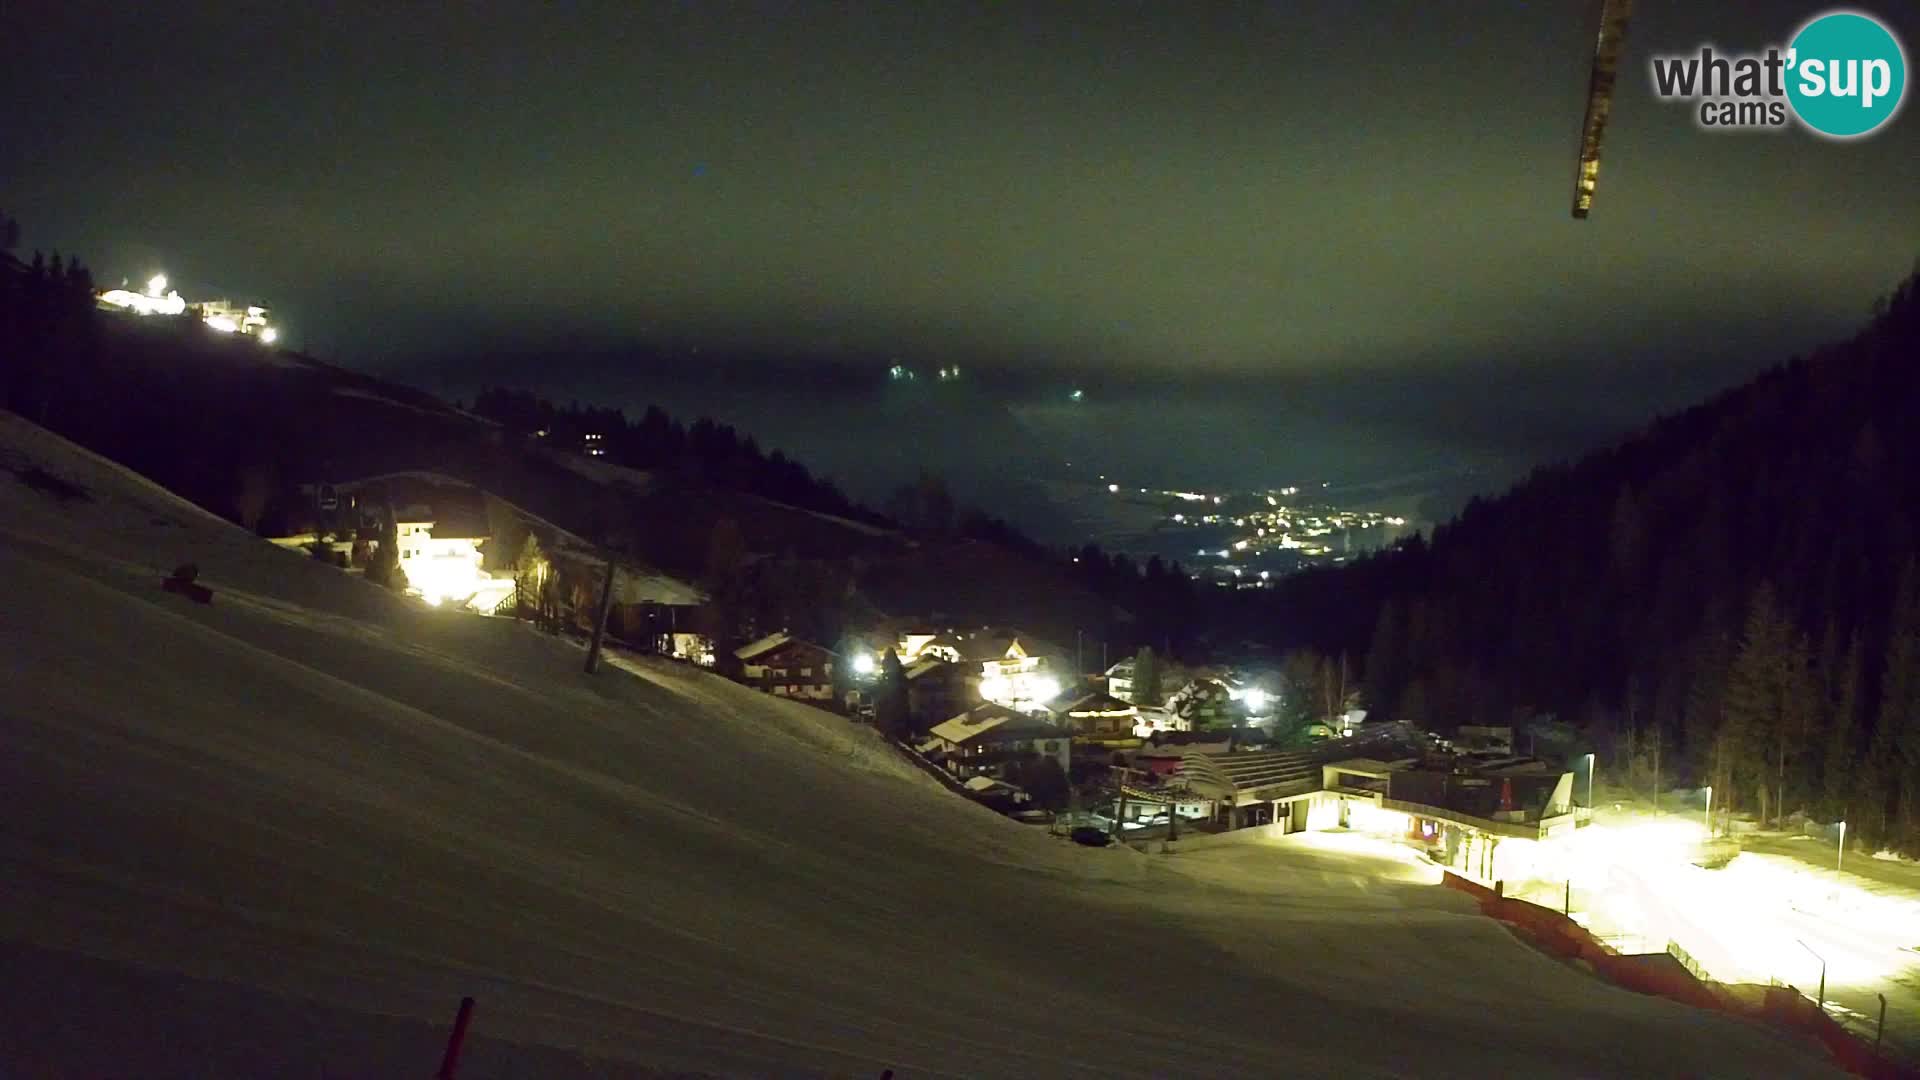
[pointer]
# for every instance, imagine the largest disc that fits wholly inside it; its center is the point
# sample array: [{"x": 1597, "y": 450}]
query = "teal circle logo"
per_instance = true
[{"x": 1846, "y": 74}]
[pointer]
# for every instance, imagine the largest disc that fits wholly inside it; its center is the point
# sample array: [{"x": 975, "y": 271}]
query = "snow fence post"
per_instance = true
[{"x": 451, "y": 1062}]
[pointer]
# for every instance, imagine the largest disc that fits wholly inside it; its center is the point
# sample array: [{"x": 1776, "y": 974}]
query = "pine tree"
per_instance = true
[
  {"x": 1877, "y": 775},
  {"x": 1043, "y": 780},
  {"x": 530, "y": 573},
  {"x": 1839, "y": 774},
  {"x": 1896, "y": 744},
  {"x": 1301, "y": 695},
  {"x": 1334, "y": 690},
  {"x": 1146, "y": 677},
  {"x": 890, "y": 698},
  {"x": 1386, "y": 661},
  {"x": 1705, "y": 689},
  {"x": 1768, "y": 697},
  {"x": 385, "y": 568}
]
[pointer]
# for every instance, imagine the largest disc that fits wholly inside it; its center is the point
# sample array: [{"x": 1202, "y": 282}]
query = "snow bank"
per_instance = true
[{"x": 296, "y": 825}]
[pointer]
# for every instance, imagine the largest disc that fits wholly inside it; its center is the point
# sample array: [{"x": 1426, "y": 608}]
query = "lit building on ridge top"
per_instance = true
[{"x": 222, "y": 315}]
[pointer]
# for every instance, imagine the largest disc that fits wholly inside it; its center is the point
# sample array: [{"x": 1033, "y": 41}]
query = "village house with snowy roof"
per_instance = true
[
  {"x": 987, "y": 737},
  {"x": 786, "y": 666}
]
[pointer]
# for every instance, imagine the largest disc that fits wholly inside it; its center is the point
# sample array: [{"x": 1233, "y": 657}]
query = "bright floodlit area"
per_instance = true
[
  {"x": 286, "y": 832},
  {"x": 1778, "y": 908}
]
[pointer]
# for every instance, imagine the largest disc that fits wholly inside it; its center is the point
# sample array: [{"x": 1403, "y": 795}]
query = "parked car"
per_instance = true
[{"x": 1090, "y": 836}]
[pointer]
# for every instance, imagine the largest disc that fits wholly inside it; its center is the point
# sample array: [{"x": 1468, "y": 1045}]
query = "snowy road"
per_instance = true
[{"x": 288, "y": 831}]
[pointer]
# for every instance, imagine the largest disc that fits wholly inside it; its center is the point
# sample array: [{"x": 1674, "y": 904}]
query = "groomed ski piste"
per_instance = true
[{"x": 284, "y": 834}]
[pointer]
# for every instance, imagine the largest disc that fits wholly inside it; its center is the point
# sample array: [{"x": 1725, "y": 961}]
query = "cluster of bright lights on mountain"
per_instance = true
[
  {"x": 903, "y": 373},
  {"x": 158, "y": 299}
]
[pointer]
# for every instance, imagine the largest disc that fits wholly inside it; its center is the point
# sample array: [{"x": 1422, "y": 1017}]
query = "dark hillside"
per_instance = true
[{"x": 1647, "y": 586}]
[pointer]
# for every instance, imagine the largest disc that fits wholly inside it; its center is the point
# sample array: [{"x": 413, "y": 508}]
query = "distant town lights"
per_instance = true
[{"x": 268, "y": 335}]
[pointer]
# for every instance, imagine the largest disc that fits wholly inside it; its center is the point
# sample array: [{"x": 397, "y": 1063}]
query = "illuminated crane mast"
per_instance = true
[{"x": 1606, "y": 63}]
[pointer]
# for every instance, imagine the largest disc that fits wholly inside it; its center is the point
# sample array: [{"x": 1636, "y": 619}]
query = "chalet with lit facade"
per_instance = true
[
  {"x": 786, "y": 666},
  {"x": 1014, "y": 669}
]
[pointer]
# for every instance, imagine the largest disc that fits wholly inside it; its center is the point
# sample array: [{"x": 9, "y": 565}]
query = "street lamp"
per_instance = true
[
  {"x": 1592, "y": 763},
  {"x": 1840, "y": 859},
  {"x": 1709, "y": 811}
]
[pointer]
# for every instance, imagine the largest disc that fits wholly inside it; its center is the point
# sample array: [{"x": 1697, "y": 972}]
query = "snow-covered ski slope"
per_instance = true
[{"x": 284, "y": 833}]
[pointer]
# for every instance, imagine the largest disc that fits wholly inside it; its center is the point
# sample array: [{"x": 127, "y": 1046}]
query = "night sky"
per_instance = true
[{"x": 1367, "y": 202}]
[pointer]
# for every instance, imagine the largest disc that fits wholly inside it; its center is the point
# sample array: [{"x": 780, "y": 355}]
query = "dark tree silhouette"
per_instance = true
[
  {"x": 890, "y": 698},
  {"x": 1146, "y": 677}
]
